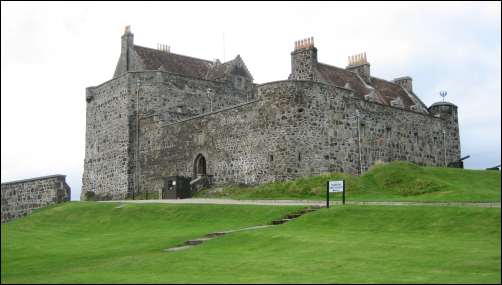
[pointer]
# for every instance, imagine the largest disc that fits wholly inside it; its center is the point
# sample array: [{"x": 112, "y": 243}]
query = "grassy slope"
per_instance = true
[
  {"x": 89, "y": 242},
  {"x": 396, "y": 181},
  {"x": 73, "y": 241}
]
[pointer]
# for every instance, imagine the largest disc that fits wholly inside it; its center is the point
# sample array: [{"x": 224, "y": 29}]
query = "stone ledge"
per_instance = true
[{"x": 35, "y": 179}]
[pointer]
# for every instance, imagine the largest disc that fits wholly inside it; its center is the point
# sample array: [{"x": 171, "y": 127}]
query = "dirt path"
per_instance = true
[{"x": 305, "y": 202}]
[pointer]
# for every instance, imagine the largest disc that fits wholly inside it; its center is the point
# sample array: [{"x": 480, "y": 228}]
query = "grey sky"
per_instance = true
[{"x": 52, "y": 51}]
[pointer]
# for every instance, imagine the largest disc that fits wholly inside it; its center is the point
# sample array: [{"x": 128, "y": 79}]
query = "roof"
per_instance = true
[
  {"x": 391, "y": 91},
  {"x": 381, "y": 91},
  {"x": 343, "y": 78},
  {"x": 443, "y": 103},
  {"x": 185, "y": 65}
]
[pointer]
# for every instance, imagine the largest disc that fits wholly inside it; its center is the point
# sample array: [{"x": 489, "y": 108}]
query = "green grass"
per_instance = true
[
  {"x": 98, "y": 243},
  {"x": 396, "y": 181}
]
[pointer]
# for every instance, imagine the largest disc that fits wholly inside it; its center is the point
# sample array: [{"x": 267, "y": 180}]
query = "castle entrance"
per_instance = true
[{"x": 199, "y": 166}]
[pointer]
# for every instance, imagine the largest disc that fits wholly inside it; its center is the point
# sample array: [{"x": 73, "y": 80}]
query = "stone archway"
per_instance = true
[{"x": 199, "y": 166}]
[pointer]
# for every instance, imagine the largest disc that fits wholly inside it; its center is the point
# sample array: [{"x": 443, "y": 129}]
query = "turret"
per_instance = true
[
  {"x": 303, "y": 60},
  {"x": 444, "y": 110},
  {"x": 451, "y": 137}
]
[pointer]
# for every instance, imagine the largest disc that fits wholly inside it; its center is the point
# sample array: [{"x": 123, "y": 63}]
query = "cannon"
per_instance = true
[
  {"x": 494, "y": 168},
  {"x": 458, "y": 163}
]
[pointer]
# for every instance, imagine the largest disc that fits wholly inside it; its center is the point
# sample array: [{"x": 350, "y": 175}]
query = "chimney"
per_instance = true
[
  {"x": 406, "y": 82},
  {"x": 303, "y": 60},
  {"x": 124, "y": 64},
  {"x": 359, "y": 64},
  {"x": 127, "y": 43}
]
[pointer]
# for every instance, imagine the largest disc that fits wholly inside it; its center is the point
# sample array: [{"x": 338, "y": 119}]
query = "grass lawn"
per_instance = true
[
  {"x": 396, "y": 181},
  {"x": 99, "y": 243}
]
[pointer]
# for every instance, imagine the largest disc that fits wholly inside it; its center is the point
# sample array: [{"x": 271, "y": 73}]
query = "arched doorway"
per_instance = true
[{"x": 199, "y": 167}]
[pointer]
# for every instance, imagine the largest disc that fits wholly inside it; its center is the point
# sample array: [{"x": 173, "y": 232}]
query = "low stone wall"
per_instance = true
[{"x": 20, "y": 197}]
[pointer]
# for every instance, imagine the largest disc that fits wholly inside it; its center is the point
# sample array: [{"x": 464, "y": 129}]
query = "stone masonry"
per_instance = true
[
  {"x": 20, "y": 198},
  {"x": 205, "y": 118}
]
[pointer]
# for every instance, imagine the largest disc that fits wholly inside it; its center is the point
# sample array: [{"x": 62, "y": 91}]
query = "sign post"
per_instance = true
[{"x": 334, "y": 187}]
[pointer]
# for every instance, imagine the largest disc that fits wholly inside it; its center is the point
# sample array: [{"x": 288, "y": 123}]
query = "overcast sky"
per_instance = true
[{"x": 52, "y": 51}]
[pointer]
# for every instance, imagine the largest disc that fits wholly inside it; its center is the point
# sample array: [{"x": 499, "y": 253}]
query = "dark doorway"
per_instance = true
[{"x": 200, "y": 166}]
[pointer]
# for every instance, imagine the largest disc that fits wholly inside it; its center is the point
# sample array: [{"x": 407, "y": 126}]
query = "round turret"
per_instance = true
[{"x": 443, "y": 109}]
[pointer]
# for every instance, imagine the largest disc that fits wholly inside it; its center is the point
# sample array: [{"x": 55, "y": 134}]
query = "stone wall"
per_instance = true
[
  {"x": 293, "y": 129},
  {"x": 111, "y": 121},
  {"x": 107, "y": 140},
  {"x": 19, "y": 198}
]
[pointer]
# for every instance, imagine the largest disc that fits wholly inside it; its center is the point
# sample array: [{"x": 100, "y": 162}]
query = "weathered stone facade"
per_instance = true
[
  {"x": 322, "y": 118},
  {"x": 20, "y": 197}
]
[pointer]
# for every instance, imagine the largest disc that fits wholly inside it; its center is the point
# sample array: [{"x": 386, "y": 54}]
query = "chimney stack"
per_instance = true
[
  {"x": 359, "y": 64},
  {"x": 406, "y": 82},
  {"x": 127, "y": 44},
  {"x": 303, "y": 60}
]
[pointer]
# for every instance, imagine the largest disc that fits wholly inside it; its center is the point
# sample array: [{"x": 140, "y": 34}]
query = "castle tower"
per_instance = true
[
  {"x": 303, "y": 60},
  {"x": 451, "y": 138}
]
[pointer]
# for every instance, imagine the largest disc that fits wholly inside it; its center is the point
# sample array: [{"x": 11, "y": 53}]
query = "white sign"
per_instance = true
[{"x": 335, "y": 186}]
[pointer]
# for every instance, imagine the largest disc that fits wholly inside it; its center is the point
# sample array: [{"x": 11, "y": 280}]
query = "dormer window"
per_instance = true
[{"x": 239, "y": 82}]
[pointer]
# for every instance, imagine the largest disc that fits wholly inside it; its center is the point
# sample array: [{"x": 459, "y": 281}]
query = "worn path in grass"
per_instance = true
[{"x": 305, "y": 202}]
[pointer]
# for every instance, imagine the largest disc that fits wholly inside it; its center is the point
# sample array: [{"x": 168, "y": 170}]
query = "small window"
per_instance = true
[
  {"x": 239, "y": 82},
  {"x": 300, "y": 110},
  {"x": 271, "y": 158},
  {"x": 299, "y": 156}
]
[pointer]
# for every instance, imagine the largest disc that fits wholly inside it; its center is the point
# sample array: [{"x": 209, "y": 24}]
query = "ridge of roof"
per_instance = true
[{"x": 172, "y": 53}]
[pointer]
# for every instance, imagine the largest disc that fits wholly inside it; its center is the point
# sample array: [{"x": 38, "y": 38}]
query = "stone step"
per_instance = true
[
  {"x": 215, "y": 234},
  {"x": 282, "y": 221},
  {"x": 293, "y": 216},
  {"x": 196, "y": 241}
]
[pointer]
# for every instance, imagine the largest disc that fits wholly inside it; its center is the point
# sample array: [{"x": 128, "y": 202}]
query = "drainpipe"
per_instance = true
[
  {"x": 444, "y": 147},
  {"x": 137, "y": 138},
  {"x": 359, "y": 144}
]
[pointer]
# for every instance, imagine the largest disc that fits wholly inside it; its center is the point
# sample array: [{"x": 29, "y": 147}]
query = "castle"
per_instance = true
[{"x": 169, "y": 115}]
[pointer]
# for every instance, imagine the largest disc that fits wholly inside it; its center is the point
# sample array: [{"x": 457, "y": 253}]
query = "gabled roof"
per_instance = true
[
  {"x": 391, "y": 91},
  {"x": 153, "y": 59},
  {"x": 340, "y": 77},
  {"x": 379, "y": 90}
]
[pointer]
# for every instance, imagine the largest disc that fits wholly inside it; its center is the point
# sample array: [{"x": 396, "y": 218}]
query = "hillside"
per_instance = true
[
  {"x": 396, "y": 181},
  {"x": 86, "y": 242}
]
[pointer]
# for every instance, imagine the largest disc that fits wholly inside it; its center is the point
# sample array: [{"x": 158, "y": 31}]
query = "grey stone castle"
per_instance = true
[{"x": 169, "y": 115}]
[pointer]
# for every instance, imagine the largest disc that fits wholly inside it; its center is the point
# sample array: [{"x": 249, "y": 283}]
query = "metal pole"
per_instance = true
[
  {"x": 343, "y": 193},
  {"x": 444, "y": 146},
  {"x": 359, "y": 145},
  {"x": 327, "y": 194},
  {"x": 137, "y": 138}
]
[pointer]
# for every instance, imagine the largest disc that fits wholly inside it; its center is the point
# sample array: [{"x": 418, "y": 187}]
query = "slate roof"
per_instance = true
[
  {"x": 340, "y": 77},
  {"x": 382, "y": 91},
  {"x": 185, "y": 65}
]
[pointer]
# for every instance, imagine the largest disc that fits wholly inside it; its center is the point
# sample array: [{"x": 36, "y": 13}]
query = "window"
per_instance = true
[
  {"x": 271, "y": 158},
  {"x": 239, "y": 82},
  {"x": 299, "y": 156}
]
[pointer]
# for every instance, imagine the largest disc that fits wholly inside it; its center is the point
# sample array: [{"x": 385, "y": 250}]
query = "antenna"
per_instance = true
[{"x": 443, "y": 94}]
